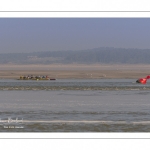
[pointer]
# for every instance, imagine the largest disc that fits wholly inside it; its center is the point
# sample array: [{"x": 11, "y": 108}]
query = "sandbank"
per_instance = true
[{"x": 76, "y": 71}]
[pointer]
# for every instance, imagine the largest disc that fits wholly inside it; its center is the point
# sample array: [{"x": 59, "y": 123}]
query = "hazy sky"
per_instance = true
[{"x": 50, "y": 34}]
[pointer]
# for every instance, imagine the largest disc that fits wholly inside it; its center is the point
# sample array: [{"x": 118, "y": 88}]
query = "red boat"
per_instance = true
[{"x": 143, "y": 80}]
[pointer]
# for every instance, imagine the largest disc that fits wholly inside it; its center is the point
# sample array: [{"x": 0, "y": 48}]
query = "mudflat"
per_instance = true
[{"x": 76, "y": 71}]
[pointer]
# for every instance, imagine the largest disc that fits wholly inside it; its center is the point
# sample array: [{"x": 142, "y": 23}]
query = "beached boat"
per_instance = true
[
  {"x": 35, "y": 78},
  {"x": 52, "y": 79}
]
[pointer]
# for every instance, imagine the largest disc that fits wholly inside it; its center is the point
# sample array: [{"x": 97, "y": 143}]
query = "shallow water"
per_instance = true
[
  {"x": 120, "y": 106},
  {"x": 76, "y": 84}
]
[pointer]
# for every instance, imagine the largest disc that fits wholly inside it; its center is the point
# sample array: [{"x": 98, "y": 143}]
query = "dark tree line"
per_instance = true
[{"x": 98, "y": 55}]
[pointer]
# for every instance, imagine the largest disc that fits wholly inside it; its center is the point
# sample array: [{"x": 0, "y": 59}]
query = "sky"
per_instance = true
[{"x": 56, "y": 34}]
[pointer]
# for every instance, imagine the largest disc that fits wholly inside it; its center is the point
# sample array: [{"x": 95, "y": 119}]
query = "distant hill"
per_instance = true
[{"x": 103, "y": 55}]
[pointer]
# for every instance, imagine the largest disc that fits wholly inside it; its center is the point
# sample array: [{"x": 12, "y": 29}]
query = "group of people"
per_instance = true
[{"x": 31, "y": 77}]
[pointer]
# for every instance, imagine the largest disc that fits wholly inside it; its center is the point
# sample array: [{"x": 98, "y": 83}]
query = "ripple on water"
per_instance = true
[{"x": 75, "y": 88}]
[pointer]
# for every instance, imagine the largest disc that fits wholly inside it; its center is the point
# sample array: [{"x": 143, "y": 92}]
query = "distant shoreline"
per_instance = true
[{"x": 76, "y": 71}]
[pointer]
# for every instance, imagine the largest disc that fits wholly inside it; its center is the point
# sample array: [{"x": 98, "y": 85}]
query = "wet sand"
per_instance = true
[{"x": 76, "y": 71}]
